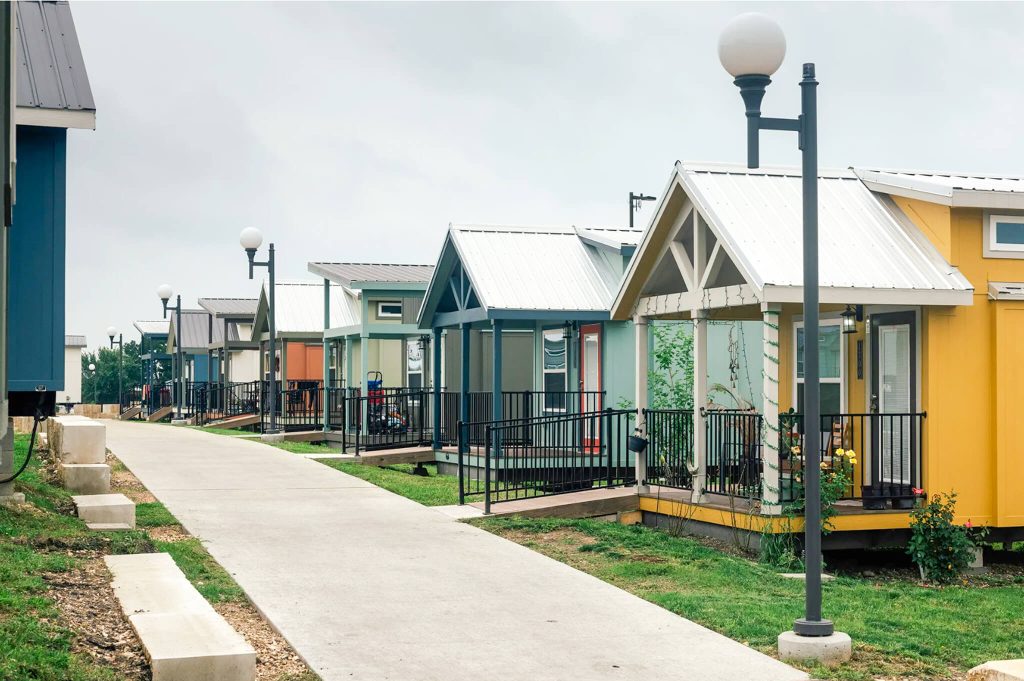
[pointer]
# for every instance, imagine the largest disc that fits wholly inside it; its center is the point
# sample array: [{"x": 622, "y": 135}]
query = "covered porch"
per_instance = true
[{"x": 725, "y": 245}]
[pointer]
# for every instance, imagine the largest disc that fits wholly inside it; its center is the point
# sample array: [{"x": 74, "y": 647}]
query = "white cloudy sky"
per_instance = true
[{"x": 357, "y": 132}]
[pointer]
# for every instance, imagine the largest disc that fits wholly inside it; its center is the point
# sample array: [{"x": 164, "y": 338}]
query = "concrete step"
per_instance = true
[
  {"x": 82, "y": 441},
  {"x": 183, "y": 636},
  {"x": 86, "y": 478},
  {"x": 109, "y": 527},
  {"x": 998, "y": 670},
  {"x": 105, "y": 508}
]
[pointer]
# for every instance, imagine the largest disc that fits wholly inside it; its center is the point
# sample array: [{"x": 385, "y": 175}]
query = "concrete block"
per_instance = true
[
  {"x": 13, "y": 499},
  {"x": 998, "y": 670},
  {"x": 83, "y": 441},
  {"x": 105, "y": 508},
  {"x": 179, "y": 422},
  {"x": 272, "y": 438},
  {"x": 194, "y": 646},
  {"x": 108, "y": 527},
  {"x": 828, "y": 650},
  {"x": 86, "y": 478},
  {"x": 152, "y": 582}
]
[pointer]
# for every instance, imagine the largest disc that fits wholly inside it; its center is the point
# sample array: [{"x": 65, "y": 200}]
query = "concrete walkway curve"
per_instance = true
[{"x": 368, "y": 585}]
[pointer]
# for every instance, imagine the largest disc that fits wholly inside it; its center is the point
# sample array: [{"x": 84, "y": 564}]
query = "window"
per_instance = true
[
  {"x": 830, "y": 366},
  {"x": 392, "y": 310},
  {"x": 1004, "y": 236},
  {"x": 414, "y": 363},
  {"x": 555, "y": 379}
]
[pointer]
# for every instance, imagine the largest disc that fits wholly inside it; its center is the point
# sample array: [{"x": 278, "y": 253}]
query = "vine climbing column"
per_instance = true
[{"x": 770, "y": 462}]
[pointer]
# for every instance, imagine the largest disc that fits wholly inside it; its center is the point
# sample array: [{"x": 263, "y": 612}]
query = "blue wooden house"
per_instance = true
[
  {"x": 53, "y": 96},
  {"x": 155, "y": 359}
]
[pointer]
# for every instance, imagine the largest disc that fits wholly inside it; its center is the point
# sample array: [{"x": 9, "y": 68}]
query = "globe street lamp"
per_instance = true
[
  {"x": 164, "y": 292},
  {"x": 111, "y": 332},
  {"x": 751, "y": 48},
  {"x": 92, "y": 374},
  {"x": 250, "y": 239}
]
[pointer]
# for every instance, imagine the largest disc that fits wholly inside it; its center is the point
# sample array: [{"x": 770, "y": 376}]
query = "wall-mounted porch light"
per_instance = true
[{"x": 849, "y": 316}]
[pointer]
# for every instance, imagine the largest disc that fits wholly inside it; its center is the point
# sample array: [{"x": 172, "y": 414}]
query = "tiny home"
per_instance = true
[
  {"x": 233, "y": 351},
  {"x": 198, "y": 332},
  {"x": 156, "y": 364},
  {"x": 53, "y": 95},
  {"x": 921, "y": 278},
  {"x": 299, "y": 322},
  {"x": 384, "y": 338},
  {"x": 520, "y": 322}
]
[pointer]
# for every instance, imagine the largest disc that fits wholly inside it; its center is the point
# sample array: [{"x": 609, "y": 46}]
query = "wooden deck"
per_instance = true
[
  {"x": 589, "y": 503},
  {"x": 390, "y": 457}
]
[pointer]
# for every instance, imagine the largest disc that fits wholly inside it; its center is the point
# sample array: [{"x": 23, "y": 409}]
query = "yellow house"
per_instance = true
[{"x": 922, "y": 294}]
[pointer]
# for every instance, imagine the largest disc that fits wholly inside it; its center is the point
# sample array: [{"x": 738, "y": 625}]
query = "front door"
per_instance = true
[
  {"x": 894, "y": 466},
  {"x": 590, "y": 382}
]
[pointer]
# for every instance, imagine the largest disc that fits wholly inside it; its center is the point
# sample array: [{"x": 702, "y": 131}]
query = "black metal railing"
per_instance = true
[
  {"x": 226, "y": 400},
  {"x": 888, "y": 454},
  {"x": 516, "y": 405},
  {"x": 545, "y": 455},
  {"x": 131, "y": 397},
  {"x": 670, "y": 453},
  {"x": 733, "y": 456},
  {"x": 390, "y": 418}
]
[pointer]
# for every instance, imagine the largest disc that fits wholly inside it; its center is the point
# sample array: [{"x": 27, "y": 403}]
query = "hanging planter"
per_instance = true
[{"x": 636, "y": 443}]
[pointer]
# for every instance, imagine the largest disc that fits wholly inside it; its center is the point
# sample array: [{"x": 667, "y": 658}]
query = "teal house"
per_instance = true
[
  {"x": 53, "y": 95},
  {"x": 520, "y": 326}
]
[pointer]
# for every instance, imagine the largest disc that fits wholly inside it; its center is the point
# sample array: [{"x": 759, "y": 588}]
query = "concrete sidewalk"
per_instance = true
[{"x": 366, "y": 584}]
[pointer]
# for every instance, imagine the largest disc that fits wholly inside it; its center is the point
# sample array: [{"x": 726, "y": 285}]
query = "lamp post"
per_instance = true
[
  {"x": 111, "y": 332},
  {"x": 165, "y": 292},
  {"x": 250, "y": 239},
  {"x": 751, "y": 48},
  {"x": 92, "y": 374},
  {"x": 635, "y": 200}
]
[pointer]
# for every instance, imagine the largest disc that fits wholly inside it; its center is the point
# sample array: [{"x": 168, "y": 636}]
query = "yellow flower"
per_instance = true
[
  {"x": 851, "y": 454},
  {"x": 853, "y": 459},
  {"x": 795, "y": 449},
  {"x": 824, "y": 465},
  {"x": 840, "y": 452}
]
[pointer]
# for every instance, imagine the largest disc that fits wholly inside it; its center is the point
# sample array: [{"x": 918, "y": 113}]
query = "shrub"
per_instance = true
[{"x": 941, "y": 549}]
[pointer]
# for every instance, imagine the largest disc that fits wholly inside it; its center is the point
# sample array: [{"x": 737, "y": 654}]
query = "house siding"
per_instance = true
[
  {"x": 972, "y": 382},
  {"x": 36, "y": 256}
]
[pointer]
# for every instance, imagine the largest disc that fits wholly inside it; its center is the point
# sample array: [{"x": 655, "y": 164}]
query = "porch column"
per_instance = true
[
  {"x": 224, "y": 355},
  {"x": 770, "y": 462},
  {"x": 496, "y": 407},
  {"x": 700, "y": 400},
  {"x": 642, "y": 371},
  {"x": 435, "y": 370},
  {"x": 364, "y": 366},
  {"x": 327, "y": 356},
  {"x": 464, "y": 375},
  {"x": 209, "y": 352}
]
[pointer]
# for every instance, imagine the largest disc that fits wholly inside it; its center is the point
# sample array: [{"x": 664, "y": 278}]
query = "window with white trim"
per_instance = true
[
  {"x": 389, "y": 310},
  {"x": 555, "y": 378},
  {"x": 1004, "y": 236},
  {"x": 414, "y": 363},
  {"x": 831, "y": 366}
]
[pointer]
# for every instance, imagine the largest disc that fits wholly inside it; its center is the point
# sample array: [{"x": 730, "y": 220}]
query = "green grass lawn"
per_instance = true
[{"x": 899, "y": 629}]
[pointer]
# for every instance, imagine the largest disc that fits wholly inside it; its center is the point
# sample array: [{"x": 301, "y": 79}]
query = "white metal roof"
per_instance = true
[
  {"x": 541, "y": 268},
  {"x": 864, "y": 243},
  {"x": 354, "y": 274},
  {"x": 950, "y": 189},
  {"x": 1006, "y": 290},
  {"x": 300, "y": 308},
  {"x": 153, "y": 328}
]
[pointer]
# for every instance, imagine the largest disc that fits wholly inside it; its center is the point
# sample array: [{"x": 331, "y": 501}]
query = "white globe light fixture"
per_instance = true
[
  {"x": 752, "y": 44},
  {"x": 250, "y": 238},
  {"x": 165, "y": 292},
  {"x": 111, "y": 331},
  {"x": 92, "y": 367}
]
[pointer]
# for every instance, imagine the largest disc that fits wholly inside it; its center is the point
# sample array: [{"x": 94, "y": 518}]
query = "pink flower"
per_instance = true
[
  {"x": 918, "y": 491},
  {"x": 968, "y": 525}
]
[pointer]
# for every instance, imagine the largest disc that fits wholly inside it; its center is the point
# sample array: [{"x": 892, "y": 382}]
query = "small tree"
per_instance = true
[
  {"x": 102, "y": 387},
  {"x": 941, "y": 549},
  {"x": 670, "y": 380}
]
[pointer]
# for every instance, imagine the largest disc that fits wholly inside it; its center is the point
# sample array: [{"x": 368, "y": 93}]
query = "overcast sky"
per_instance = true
[{"x": 358, "y": 132}]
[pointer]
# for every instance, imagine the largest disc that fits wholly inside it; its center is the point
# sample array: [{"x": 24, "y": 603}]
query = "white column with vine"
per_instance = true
[
  {"x": 643, "y": 368},
  {"x": 770, "y": 462},
  {"x": 700, "y": 400}
]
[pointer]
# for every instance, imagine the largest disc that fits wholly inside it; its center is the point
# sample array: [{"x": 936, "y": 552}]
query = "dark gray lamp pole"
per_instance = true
[
  {"x": 164, "y": 291},
  {"x": 111, "y": 332},
  {"x": 751, "y": 48},
  {"x": 251, "y": 238},
  {"x": 634, "y": 204}
]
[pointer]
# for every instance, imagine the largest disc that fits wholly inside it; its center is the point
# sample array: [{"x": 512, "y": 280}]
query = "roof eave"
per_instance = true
[{"x": 851, "y": 295}]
